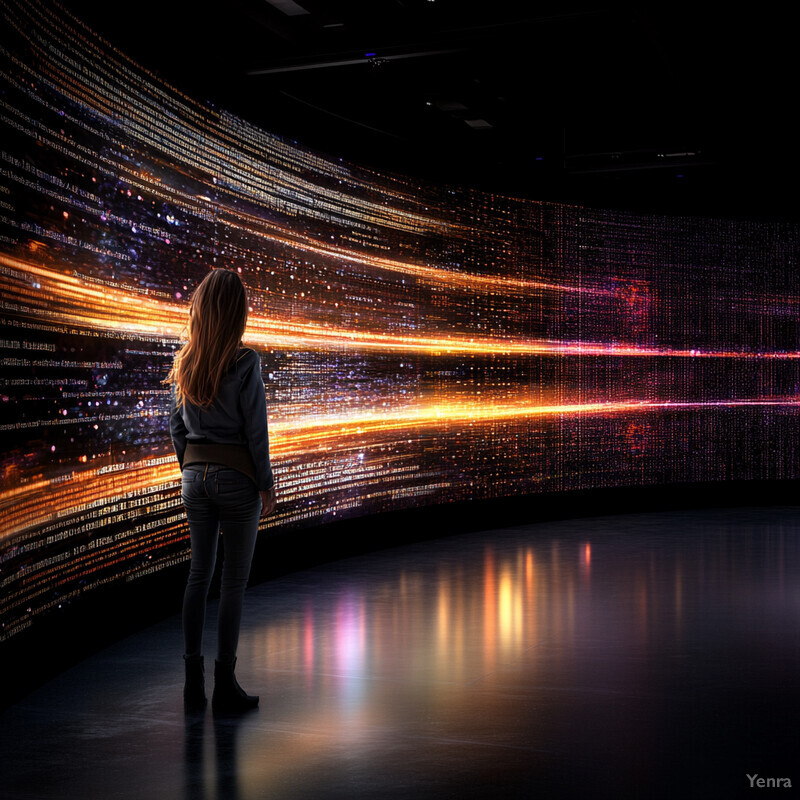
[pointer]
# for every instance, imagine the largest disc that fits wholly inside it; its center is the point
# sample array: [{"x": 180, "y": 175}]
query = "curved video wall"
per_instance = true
[{"x": 421, "y": 344}]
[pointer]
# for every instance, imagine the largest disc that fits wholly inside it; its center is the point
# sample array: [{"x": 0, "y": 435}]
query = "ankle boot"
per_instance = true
[
  {"x": 194, "y": 687},
  {"x": 228, "y": 696}
]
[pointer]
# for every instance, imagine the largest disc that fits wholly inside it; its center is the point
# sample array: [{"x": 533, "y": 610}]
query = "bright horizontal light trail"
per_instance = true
[
  {"x": 22, "y": 506},
  {"x": 292, "y": 438},
  {"x": 67, "y": 300}
]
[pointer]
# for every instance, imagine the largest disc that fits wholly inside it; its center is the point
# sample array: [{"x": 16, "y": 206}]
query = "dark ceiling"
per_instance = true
[{"x": 652, "y": 107}]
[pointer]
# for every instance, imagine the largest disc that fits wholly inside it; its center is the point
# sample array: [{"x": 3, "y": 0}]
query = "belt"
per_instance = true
[{"x": 235, "y": 456}]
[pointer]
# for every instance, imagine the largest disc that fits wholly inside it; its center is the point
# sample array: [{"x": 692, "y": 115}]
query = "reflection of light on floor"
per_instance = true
[
  {"x": 443, "y": 621},
  {"x": 586, "y": 559},
  {"x": 350, "y": 643},
  {"x": 532, "y": 597},
  {"x": 509, "y": 612},
  {"x": 308, "y": 641}
]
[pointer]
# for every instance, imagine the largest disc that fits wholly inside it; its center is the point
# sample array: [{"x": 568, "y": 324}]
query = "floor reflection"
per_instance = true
[
  {"x": 650, "y": 652},
  {"x": 595, "y": 637}
]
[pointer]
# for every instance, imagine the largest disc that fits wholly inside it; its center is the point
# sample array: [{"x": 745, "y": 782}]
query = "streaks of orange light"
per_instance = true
[
  {"x": 68, "y": 300},
  {"x": 297, "y": 437},
  {"x": 71, "y": 301},
  {"x": 21, "y": 507},
  {"x": 465, "y": 280},
  {"x": 84, "y": 491}
]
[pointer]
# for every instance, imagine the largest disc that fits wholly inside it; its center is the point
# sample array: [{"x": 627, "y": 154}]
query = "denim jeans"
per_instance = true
[{"x": 218, "y": 497}]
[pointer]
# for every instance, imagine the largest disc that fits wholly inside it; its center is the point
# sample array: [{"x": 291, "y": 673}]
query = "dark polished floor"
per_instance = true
[{"x": 648, "y": 655}]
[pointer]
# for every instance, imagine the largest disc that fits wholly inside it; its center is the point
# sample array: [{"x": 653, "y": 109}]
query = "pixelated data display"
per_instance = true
[{"x": 420, "y": 344}]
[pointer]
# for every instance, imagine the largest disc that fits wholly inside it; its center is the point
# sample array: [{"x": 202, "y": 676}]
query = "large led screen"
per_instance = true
[{"x": 420, "y": 344}]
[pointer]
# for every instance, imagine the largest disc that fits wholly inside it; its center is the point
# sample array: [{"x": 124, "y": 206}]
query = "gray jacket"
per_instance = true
[{"x": 238, "y": 415}]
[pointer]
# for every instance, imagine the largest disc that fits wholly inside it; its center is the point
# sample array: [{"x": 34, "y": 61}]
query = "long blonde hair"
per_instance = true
[{"x": 217, "y": 319}]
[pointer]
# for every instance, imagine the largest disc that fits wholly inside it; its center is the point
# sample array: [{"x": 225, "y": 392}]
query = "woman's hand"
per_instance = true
[{"x": 268, "y": 502}]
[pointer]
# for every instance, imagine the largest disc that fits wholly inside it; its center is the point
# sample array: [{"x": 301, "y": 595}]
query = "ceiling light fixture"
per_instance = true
[
  {"x": 288, "y": 7},
  {"x": 348, "y": 62}
]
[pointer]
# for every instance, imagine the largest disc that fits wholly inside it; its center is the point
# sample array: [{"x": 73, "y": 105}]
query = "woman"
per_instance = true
[{"x": 218, "y": 423}]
